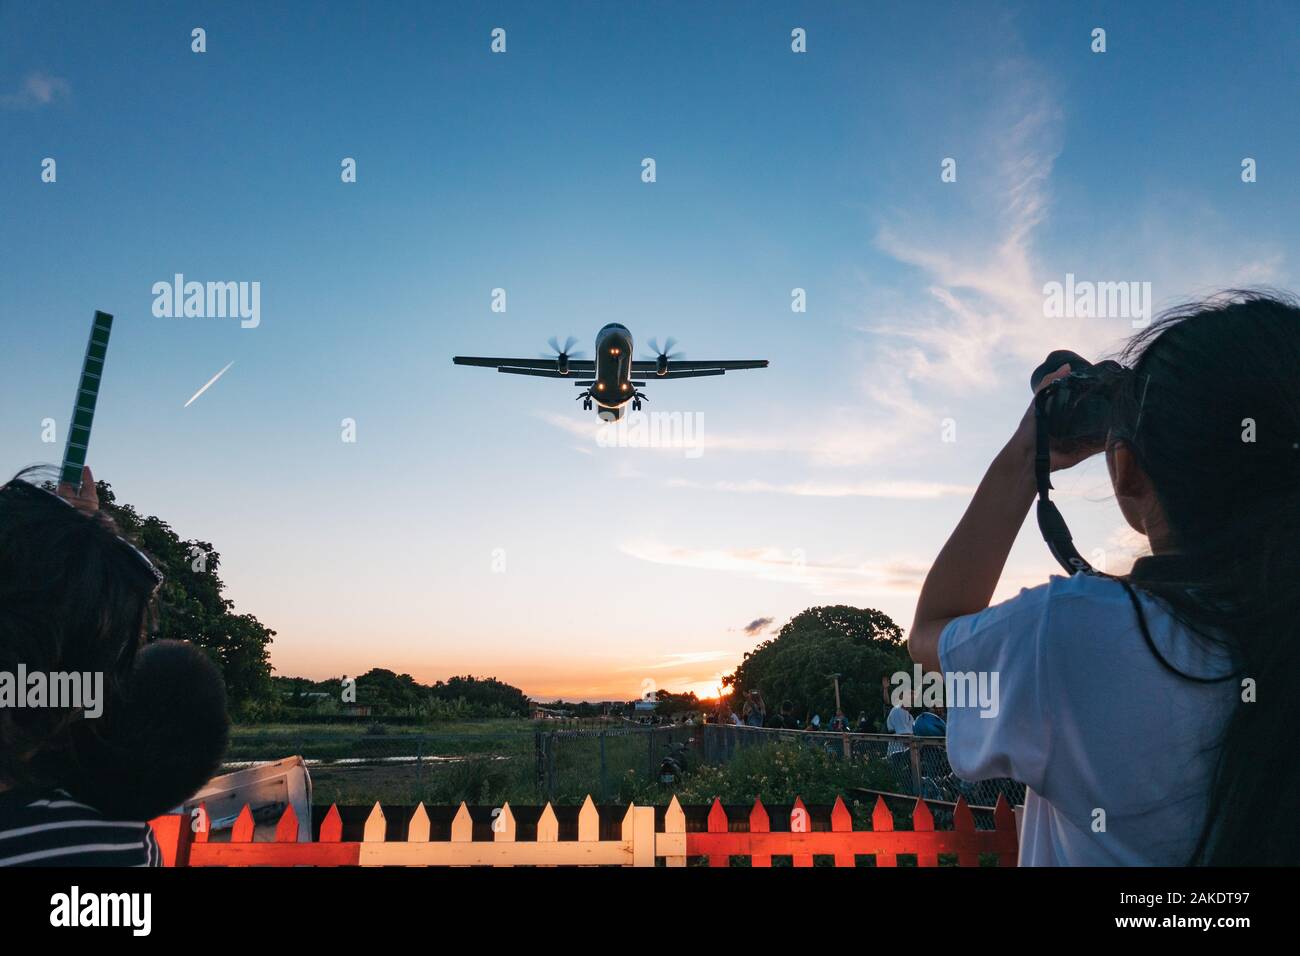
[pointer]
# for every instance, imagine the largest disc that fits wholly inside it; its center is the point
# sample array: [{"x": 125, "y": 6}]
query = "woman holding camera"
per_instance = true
[{"x": 1148, "y": 715}]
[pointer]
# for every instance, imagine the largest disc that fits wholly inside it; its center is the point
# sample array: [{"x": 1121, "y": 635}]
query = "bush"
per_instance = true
[
  {"x": 478, "y": 780},
  {"x": 776, "y": 773},
  {"x": 249, "y": 711}
]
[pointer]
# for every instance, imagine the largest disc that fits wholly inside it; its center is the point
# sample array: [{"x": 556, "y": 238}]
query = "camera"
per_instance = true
[{"x": 1080, "y": 409}]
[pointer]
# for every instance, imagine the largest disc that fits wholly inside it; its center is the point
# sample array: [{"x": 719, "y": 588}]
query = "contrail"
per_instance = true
[{"x": 208, "y": 386}]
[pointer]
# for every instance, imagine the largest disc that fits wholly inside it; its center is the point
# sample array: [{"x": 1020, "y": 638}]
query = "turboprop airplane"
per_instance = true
[{"x": 614, "y": 379}]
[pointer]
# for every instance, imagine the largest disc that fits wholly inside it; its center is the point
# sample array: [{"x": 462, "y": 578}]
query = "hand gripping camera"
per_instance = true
[{"x": 1079, "y": 410}]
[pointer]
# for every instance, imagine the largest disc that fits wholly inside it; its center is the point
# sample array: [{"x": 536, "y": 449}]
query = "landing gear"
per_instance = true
[
  {"x": 586, "y": 401},
  {"x": 637, "y": 399}
]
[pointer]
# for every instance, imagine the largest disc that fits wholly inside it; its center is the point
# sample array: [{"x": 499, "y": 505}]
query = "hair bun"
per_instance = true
[{"x": 166, "y": 737}]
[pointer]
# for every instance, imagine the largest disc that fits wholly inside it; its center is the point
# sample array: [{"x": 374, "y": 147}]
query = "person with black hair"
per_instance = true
[
  {"x": 77, "y": 788},
  {"x": 929, "y": 724},
  {"x": 783, "y": 719},
  {"x": 1150, "y": 715}
]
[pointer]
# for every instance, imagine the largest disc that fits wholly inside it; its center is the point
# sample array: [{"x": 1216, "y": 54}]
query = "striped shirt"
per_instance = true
[{"x": 49, "y": 828}]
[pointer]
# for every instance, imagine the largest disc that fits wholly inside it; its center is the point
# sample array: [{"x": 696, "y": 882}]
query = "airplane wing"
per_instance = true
[
  {"x": 547, "y": 368},
  {"x": 544, "y": 368},
  {"x": 676, "y": 369},
  {"x": 687, "y": 373}
]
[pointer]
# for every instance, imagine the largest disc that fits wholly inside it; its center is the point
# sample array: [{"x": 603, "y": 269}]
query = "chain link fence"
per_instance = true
[
  {"x": 550, "y": 761},
  {"x": 574, "y": 763}
]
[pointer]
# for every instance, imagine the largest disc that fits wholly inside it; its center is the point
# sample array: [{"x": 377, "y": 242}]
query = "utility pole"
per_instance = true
[{"x": 844, "y": 736}]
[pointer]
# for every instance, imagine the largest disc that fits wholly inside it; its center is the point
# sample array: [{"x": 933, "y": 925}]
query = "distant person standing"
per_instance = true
[{"x": 900, "y": 723}]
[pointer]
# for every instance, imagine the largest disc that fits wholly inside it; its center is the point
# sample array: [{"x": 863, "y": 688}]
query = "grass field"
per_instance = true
[
  {"x": 493, "y": 761},
  {"x": 484, "y": 762},
  {"x": 342, "y": 741}
]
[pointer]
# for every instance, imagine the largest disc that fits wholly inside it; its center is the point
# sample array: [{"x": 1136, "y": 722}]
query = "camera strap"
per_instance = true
[
  {"x": 1051, "y": 523},
  {"x": 1057, "y": 534}
]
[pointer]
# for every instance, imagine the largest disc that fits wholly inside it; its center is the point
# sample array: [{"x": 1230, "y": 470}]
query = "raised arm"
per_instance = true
[{"x": 966, "y": 572}]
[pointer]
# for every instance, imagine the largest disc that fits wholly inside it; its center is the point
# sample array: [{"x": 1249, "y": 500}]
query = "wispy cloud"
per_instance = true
[
  {"x": 835, "y": 576},
  {"x": 698, "y": 671},
  {"x": 842, "y": 438},
  {"x": 757, "y": 626},
  {"x": 896, "y": 490},
  {"x": 672, "y": 661},
  {"x": 972, "y": 318},
  {"x": 982, "y": 299},
  {"x": 831, "y": 576},
  {"x": 37, "y": 90}
]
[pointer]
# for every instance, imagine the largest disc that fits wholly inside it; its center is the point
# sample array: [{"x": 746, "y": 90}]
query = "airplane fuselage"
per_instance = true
[{"x": 613, "y": 387}]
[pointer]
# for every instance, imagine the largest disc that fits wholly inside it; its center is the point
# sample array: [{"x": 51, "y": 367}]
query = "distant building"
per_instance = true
[{"x": 549, "y": 713}]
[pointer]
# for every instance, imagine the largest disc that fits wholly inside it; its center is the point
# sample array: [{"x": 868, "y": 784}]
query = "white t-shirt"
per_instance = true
[
  {"x": 899, "y": 721},
  {"x": 1090, "y": 720}
]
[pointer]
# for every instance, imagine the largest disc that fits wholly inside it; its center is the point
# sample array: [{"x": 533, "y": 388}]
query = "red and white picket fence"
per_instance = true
[{"x": 638, "y": 843}]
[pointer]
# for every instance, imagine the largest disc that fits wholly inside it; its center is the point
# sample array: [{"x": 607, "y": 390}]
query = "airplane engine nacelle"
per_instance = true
[
  {"x": 661, "y": 365},
  {"x": 562, "y": 364}
]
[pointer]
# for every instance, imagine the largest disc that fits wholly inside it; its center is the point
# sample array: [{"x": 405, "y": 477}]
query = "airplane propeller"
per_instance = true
[
  {"x": 663, "y": 355},
  {"x": 562, "y": 355}
]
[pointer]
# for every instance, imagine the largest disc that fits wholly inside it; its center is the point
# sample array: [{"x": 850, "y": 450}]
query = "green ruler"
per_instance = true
[{"x": 83, "y": 409}]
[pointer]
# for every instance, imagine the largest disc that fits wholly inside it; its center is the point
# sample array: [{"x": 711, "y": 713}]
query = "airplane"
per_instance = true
[{"x": 611, "y": 386}]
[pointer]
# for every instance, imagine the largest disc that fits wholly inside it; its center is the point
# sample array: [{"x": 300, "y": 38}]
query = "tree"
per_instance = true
[
  {"x": 391, "y": 693},
  {"x": 670, "y": 705},
  {"x": 483, "y": 695},
  {"x": 191, "y": 606},
  {"x": 401, "y": 695},
  {"x": 860, "y": 644}
]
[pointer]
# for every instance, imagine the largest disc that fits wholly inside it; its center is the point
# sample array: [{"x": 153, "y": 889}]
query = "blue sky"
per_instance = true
[{"x": 823, "y": 479}]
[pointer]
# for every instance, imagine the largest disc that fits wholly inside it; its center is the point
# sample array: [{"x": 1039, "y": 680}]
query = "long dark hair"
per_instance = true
[
  {"x": 74, "y": 597},
  {"x": 1218, "y": 433}
]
